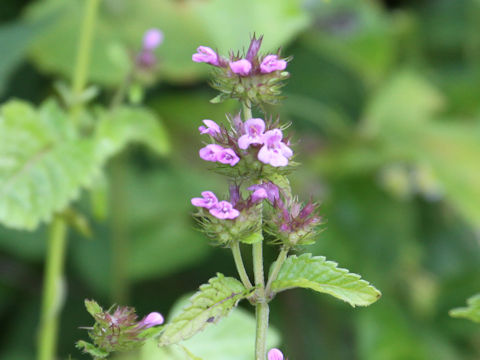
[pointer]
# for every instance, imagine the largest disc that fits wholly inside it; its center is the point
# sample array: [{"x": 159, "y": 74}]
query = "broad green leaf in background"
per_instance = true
[
  {"x": 324, "y": 276},
  {"x": 187, "y": 24},
  {"x": 43, "y": 164},
  {"x": 233, "y": 338},
  {"x": 214, "y": 301},
  {"x": 471, "y": 312}
]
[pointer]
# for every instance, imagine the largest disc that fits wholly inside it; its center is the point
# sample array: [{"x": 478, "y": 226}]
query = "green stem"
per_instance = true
[
  {"x": 237, "y": 256},
  {"x": 52, "y": 290},
  {"x": 261, "y": 313},
  {"x": 276, "y": 269},
  {"x": 83, "y": 53}
]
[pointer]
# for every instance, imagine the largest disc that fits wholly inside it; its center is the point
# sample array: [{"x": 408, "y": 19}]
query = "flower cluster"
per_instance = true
[
  {"x": 118, "y": 329},
  {"x": 251, "y": 76},
  {"x": 244, "y": 140},
  {"x": 152, "y": 39}
]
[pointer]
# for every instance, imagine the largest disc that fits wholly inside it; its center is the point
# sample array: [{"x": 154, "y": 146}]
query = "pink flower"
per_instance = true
[
  {"x": 254, "y": 129},
  {"x": 152, "y": 319},
  {"x": 208, "y": 200},
  {"x": 241, "y": 67},
  {"x": 264, "y": 191},
  {"x": 228, "y": 156},
  {"x": 274, "y": 151},
  {"x": 275, "y": 354},
  {"x": 152, "y": 39},
  {"x": 206, "y": 55},
  {"x": 271, "y": 63},
  {"x": 224, "y": 210},
  {"x": 210, "y": 152},
  {"x": 211, "y": 128}
]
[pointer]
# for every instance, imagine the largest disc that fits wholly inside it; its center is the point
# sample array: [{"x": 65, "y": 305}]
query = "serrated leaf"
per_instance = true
[
  {"x": 91, "y": 350},
  {"x": 471, "y": 312},
  {"x": 207, "y": 306},
  {"x": 43, "y": 163},
  {"x": 324, "y": 276},
  {"x": 116, "y": 129}
]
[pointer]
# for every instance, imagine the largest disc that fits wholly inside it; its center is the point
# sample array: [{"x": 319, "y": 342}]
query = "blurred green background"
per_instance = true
[{"x": 384, "y": 102}]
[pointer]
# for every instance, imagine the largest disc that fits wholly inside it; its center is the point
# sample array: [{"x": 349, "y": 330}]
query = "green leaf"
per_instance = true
[
  {"x": 471, "y": 312},
  {"x": 234, "y": 335},
  {"x": 91, "y": 349},
  {"x": 92, "y": 307},
  {"x": 207, "y": 306},
  {"x": 318, "y": 274},
  {"x": 43, "y": 163},
  {"x": 126, "y": 124}
]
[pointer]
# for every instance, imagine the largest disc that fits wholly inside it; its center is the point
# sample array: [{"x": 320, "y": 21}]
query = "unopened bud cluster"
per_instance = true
[
  {"x": 248, "y": 77},
  {"x": 117, "y": 329}
]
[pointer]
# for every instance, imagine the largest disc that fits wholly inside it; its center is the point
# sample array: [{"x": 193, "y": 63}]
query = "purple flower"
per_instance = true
[
  {"x": 274, "y": 151},
  {"x": 241, "y": 67},
  {"x": 228, "y": 156},
  {"x": 254, "y": 129},
  {"x": 224, "y": 210},
  {"x": 254, "y": 47},
  {"x": 152, "y": 319},
  {"x": 208, "y": 200},
  {"x": 206, "y": 55},
  {"x": 271, "y": 63},
  {"x": 275, "y": 354},
  {"x": 264, "y": 191},
  {"x": 211, "y": 128},
  {"x": 152, "y": 39},
  {"x": 210, "y": 152}
]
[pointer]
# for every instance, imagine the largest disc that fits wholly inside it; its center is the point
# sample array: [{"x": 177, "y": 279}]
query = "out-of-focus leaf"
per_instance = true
[
  {"x": 471, "y": 312},
  {"x": 126, "y": 124},
  {"x": 37, "y": 173},
  {"x": 186, "y": 25},
  {"x": 324, "y": 276},
  {"x": 234, "y": 335},
  {"x": 214, "y": 301}
]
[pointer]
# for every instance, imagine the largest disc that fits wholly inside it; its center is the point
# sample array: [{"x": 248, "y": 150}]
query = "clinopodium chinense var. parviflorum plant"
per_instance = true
[{"x": 255, "y": 153}]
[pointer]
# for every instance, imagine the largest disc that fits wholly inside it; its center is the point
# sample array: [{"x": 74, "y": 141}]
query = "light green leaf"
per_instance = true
[
  {"x": 43, "y": 163},
  {"x": 93, "y": 308},
  {"x": 471, "y": 312},
  {"x": 126, "y": 124},
  {"x": 324, "y": 276},
  {"x": 214, "y": 301},
  {"x": 91, "y": 350}
]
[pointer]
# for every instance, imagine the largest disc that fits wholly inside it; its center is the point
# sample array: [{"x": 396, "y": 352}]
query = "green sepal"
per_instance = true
[
  {"x": 252, "y": 238},
  {"x": 90, "y": 349},
  {"x": 214, "y": 301},
  {"x": 318, "y": 274},
  {"x": 471, "y": 312},
  {"x": 93, "y": 308}
]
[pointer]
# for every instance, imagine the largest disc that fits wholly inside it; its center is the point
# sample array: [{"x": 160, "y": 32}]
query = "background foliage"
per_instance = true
[{"x": 384, "y": 101}]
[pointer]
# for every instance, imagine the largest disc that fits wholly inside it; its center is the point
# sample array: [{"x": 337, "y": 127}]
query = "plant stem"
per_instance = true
[
  {"x": 261, "y": 313},
  {"x": 237, "y": 256},
  {"x": 83, "y": 53},
  {"x": 52, "y": 290},
  {"x": 276, "y": 269}
]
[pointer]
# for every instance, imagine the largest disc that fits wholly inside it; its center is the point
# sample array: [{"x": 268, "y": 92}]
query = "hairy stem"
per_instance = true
[
  {"x": 52, "y": 290},
  {"x": 83, "y": 53},
  {"x": 261, "y": 313},
  {"x": 237, "y": 256},
  {"x": 276, "y": 269}
]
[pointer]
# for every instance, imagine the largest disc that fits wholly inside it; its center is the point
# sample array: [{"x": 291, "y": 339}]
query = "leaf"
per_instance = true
[
  {"x": 91, "y": 350},
  {"x": 234, "y": 335},
  {"x": 126, "y": 124},
  {"x": 318, "y": 274},
  {"x": 214, "y": 301},
  {"x": 43, "y": 164},
  {"x": 471, "y": 312},
  {"x": 93, "y": 308}
]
